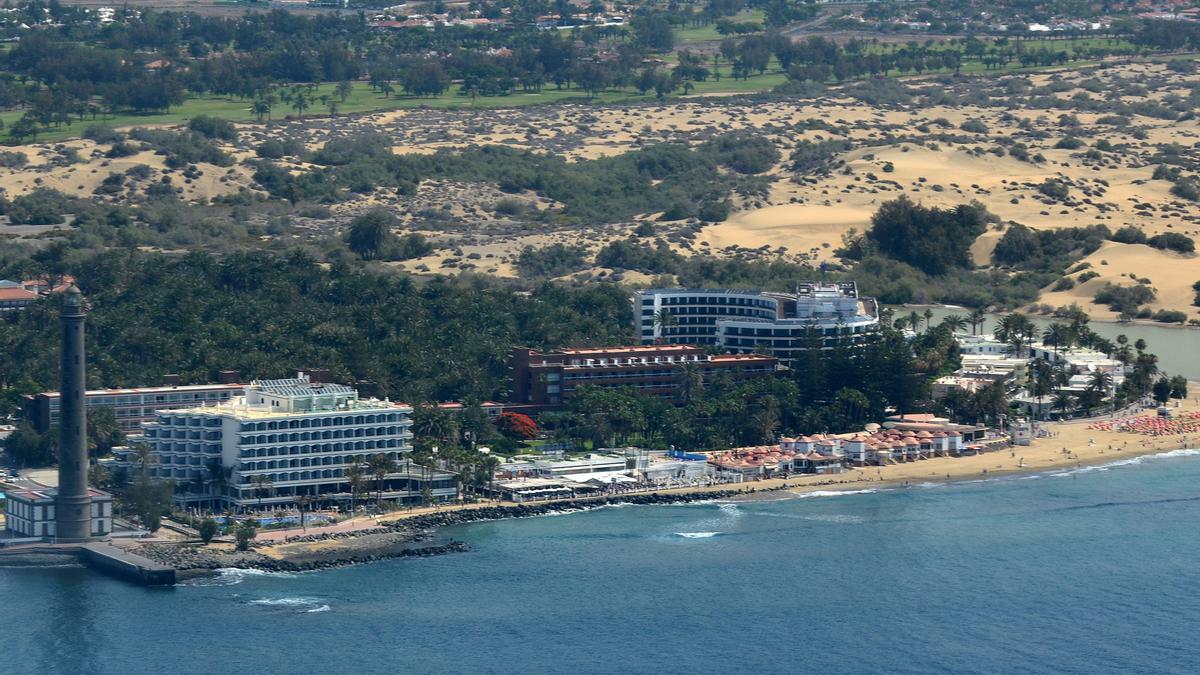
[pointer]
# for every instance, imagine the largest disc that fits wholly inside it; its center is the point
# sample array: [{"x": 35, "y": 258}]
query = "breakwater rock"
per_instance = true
[
  {"x": 194, "y": 559},
  {"x": 484, "y": 513}
]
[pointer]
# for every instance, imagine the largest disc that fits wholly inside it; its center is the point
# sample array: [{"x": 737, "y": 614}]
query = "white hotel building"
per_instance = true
[
  {"x": 743, "y": 321},
  {"x": 300, "y": 436}
]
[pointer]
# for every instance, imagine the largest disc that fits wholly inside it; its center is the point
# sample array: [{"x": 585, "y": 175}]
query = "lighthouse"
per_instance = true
[{"x": 73, "y": 503}]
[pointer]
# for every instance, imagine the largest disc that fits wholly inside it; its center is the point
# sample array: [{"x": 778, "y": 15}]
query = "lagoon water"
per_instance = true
[
  {"x": 1176, "y": 346},
  {"x": 1093, "y": 570}
]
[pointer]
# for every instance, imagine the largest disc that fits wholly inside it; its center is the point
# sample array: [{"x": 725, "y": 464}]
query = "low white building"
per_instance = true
[
  {"x": 980, "y": 344},
  {"x": 1080, "y": 360},
  {"x": 552, "y": 468},
  {"x": 30, "y": 513}
]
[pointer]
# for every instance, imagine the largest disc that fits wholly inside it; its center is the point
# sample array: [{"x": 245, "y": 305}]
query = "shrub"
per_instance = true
[
  {"x": 509, "y": 207},
  {"x": 1069, "y": 143},
  {"x": 1173, "y": 241},
  {"x": 121, "y": 149},
  {"x": 1054, "y": 189},
  {"x": 1064, "y": 284},
  {"x": 1186, "y": 188},
  {"x": 1087, "y": 276},
  {"x": 112, "y": 184},
  {"x": 1129, "y": 235},
  {"x": 551, "y": 261},
  {"x": 1124, "y": 299},
  {"x": 813, "y": 155},
  {"x": 13, "y": 160},
  {"x": 629, "y": 254},
  {"x": 277, "y": 149},
  {"x": 182, "y": 148},
  {"x": 245, "y": 534},
  {"x": 213, "y": 127},
  {"x": 342, "y": 151},
  {"x": 744, "y": 153},
  {"x": 1170, "y": 316},
  {"x": 139, "y": 171},
  {"x": 974, "y": 126},
  {"x": 714, "y": 212},
  {"x": 411, "y": 245},
  {"x": 40, "y": 207},
  {"x": 207, "y": 530},
  {"x": 102, "y": 133}
]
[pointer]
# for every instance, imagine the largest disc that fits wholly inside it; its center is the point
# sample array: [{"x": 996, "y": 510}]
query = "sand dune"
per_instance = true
[{"x": 1171, "y": 275}]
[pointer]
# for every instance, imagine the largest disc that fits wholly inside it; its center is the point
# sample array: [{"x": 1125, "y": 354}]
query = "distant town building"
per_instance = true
[
  {"x": 783, "y": 325},
  {"x": 19, "y": 295},
  {"x": 132, "y": 407},
  {"x": 280, "y": 440},
  {"x": 550, "y": 378}
]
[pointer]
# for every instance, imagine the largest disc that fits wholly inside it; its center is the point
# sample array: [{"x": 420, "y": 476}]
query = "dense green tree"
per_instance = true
[{"x": 931, "y": 239}]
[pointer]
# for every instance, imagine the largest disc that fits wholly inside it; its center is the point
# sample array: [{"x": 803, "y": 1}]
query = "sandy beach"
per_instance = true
[{"x": 1070, "y": 445}]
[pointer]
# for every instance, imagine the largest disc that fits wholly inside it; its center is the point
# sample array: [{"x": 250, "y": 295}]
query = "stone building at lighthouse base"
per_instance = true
[{"x": 31, "y": 513}]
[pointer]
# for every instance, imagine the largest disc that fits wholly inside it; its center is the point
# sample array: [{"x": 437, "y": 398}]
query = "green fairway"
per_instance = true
[
  {"x": 362, "y": 99},
  {"x": 686, "y": 36}
]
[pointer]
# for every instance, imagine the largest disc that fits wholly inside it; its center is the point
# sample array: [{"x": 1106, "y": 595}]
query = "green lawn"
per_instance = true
[
  {"x": 686, "y": 36},
  {"x": 362, "y": 99}
]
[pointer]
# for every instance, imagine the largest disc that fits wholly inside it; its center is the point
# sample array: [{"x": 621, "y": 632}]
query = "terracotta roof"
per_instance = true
[{"x": 17, "y": 294}]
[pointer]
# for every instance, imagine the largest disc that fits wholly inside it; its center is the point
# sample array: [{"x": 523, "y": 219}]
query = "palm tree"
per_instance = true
[
  {"x": 1055, "y": 335},
  {"x": 1041, "y": 380},
  {"x": 914, "y": 320},
  {"x": 430, "y": 421},
  {"x": 690, "y": 381},
  {"x": 928, "y": 317},
  {"x": 144, "y": 456},
  {"x": 380, "y": 466},
  {"x": 976, "y": 318},
  {"x": 356, "y": 475},
  {"x": 300, "y": 103},
  {"x": 260, "y": 108},
  {"x": 218, "y": 476},
  {"x": 664, "y": 319},
  {"x": 301, "y": 501},
  {"x": 956, "y": 323},
  {"x": 262, "y": 487},
  {"x": 1063, "y": 402}
]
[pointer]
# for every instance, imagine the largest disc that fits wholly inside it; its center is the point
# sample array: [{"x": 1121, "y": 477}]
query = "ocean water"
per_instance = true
[{"x": 1088, "y": 571}]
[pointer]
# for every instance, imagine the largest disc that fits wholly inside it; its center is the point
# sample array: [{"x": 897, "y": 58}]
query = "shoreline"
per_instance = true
[
  {"x": 1149, "y": 323},
  {"x": 1084, "y": 448},
  {"x": 1068, "y": 446}
]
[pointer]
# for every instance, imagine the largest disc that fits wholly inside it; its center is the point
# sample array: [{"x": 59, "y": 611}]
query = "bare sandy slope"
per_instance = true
[
  {"x": 47, "y": 167},
  {"x": 1171, "y": 275}
]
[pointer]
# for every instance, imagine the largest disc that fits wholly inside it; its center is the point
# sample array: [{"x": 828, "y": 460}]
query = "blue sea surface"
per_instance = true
[{"x": 1086, "y": 571}]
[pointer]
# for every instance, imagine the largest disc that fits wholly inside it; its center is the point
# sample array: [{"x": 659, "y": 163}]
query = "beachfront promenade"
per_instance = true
[{"x": 1067, "y": 445}]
